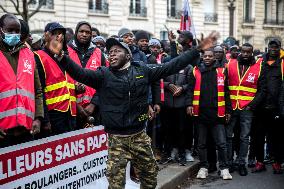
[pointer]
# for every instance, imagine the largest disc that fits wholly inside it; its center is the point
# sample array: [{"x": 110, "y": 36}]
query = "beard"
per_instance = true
[{"x": 246, "y": 61}]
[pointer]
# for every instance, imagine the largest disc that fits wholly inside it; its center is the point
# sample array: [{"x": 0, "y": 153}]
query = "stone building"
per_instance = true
[
  {"x": 255, "y": 21},
  {"x": 259, "y": 21}
]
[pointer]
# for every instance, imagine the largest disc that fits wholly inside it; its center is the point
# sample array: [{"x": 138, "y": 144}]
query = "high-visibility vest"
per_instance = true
[
  {"x": 220, "y": 89},
  {"x": 162, "y": 87},
  {"x": 60, "y": 89},
  {"x": 232, "y": 60},
  {"x": 17, "y": 93},
  {"x": 243, "y": 89},
  {"x": 93, "y": 63}
]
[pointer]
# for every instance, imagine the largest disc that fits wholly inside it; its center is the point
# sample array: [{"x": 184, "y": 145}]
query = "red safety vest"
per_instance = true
[
  {"x": 220, "y": 88},
  {"x": 162, "y": 87},
  {"x": 93, "y": 63},
  {"x": 60, "y": 89},
  {"x": 243, "y": 90},
  {"x": 17, "y": 93}
]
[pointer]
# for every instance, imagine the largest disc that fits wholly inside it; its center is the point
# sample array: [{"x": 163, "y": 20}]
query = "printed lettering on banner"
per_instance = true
[
  {"x": 71, "y": 160},
  {"x": 74, "y": 160}
]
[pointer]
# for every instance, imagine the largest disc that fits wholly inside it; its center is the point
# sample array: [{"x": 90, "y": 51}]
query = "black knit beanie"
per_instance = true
[{"x": 141, "y": 34}]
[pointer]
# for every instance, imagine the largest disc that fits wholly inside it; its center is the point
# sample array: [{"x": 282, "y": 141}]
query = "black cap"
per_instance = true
[
  {"x": 186, "y": 33},
  {"x": 112, "y": 41},
  {"x": 274, "y": 41},
  {"x": 54, "y": 26}
]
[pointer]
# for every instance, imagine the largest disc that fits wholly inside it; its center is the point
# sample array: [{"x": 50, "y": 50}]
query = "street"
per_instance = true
[{"x": 264, "y": 180}]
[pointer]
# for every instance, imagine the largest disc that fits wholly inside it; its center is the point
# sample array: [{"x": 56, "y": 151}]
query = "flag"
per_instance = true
[{"x": 186, "y": 19}]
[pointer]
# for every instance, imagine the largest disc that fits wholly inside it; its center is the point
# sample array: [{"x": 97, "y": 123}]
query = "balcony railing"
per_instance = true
[
  {"x": 249, "y": 20},
  {"x": 174, "y": 14},
  {"x": 46, "y": 4},
  {"x": 211, "y": 17},
  {"x": 138, "y": 12},
  {"x": 274, "y": 22},
  {"x": 102, "y": 9}
]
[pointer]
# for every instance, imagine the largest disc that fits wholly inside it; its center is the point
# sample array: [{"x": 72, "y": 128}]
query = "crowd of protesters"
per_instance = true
[{"x": 190, "y": 97}]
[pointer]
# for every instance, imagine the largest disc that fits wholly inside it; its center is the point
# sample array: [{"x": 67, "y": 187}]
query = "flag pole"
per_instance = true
[{"x": 192, "y": 22}]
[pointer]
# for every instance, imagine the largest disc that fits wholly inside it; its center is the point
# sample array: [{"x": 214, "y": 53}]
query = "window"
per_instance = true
[
  {"x": 248, "y": 11},
  {"x": 280, "y": 11},
  {"x": 98, "y": 6},
  {"x": 274, "y": 14},
  {"x": 138, "y": 8},
  {"x": 268, "y": 11},
  {"x": 163, "y": 35},
  {"x": 174, "y": 8},
  {"x": 46, "y": 4},
  {"x": 210, "y": 11}
]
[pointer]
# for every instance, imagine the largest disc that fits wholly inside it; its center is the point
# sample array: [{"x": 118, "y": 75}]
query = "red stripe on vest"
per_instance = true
[{"x": 162, "y": 87}]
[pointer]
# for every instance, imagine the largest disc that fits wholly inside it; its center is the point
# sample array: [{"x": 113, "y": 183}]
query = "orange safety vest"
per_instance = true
[
  {"x": 162, "y": 87},
  {"x": 60, "y": 89},
  {"x": 243, "y": 90},
  {"x": 17, "y": 93},
  {"x": 220, "y": 88},
  {"x": 93, "y": 63}
]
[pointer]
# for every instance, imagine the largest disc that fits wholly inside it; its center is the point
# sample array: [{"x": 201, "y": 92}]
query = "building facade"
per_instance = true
[
  {"x": 255, "y": 21},
  {"x": 259, "y": 21}
]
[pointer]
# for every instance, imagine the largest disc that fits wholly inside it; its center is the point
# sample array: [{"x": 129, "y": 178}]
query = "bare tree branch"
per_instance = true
[
  {"x": 40, "y": 3},
  {"x": 3, "y": 9},
  {"x": 16, "y": 5}
]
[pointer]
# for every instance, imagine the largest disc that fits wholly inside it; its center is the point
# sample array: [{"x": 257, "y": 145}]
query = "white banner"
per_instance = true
[{"x": 68, "y": 161}]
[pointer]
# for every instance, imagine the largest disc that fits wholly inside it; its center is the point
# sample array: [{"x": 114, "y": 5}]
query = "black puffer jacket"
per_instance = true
[
  {"x": 273, "y": 78},
  {"x": 123, "y": 94},
  {"x": 137, "y": 55},
  {"x": 180, "y": 79}
]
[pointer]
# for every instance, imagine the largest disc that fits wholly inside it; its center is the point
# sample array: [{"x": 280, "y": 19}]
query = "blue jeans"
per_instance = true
[{"x": 244, "y": 118}]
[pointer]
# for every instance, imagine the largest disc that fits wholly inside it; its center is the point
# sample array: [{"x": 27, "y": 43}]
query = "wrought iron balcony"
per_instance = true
[
  {"x": 211, "y": 17},
  {"x": 46, "y": 4},
  {"x": 274, "y": 22},
  {"x": 138, "y": 12},
  {"x": 174, "y": 14},
  {"x": 249, "y": 20},
  {"x": 101, "y": 8}
]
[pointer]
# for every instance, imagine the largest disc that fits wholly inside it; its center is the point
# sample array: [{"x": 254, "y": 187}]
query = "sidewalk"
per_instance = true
[
  {"x": 169, "y": 177},
  {"x": 172, "y": 175}
]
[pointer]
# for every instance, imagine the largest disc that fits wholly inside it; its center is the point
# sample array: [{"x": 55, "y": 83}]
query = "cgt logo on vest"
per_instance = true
[
  {"x": 27, "y": 67},
  {"x": 251, "y": 78},
  {"x": 220, "y": 81},
  {"x": 94, "y": 64}
]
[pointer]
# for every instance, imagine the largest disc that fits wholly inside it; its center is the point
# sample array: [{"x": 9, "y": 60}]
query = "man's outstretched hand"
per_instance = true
[{"x": 209, "y": 41}]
